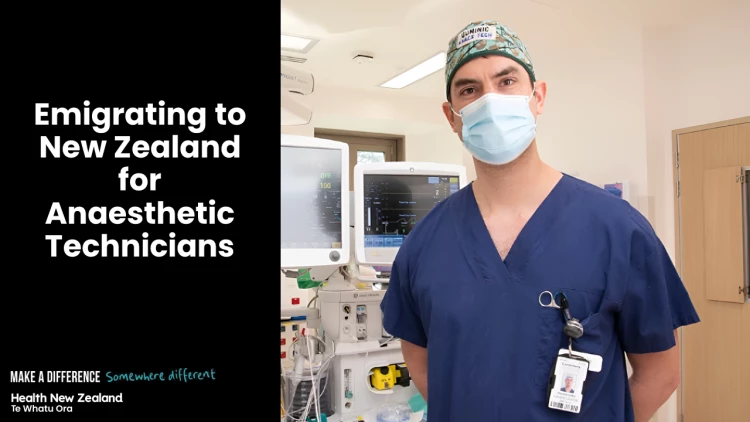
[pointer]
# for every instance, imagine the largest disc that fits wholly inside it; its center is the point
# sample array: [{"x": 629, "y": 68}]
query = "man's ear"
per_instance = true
[
  {"x": 540, "y": 94},
  {"x": 449, "y": 115}
]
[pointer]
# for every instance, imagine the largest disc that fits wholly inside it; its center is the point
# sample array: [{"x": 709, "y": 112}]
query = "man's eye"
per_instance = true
[
  {"x": 507, "y": 82},
  {"x": 467, "y": 91}
]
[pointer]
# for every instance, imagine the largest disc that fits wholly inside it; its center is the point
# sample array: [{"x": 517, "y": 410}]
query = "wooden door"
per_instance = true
[{"x": 715, "y": 379}]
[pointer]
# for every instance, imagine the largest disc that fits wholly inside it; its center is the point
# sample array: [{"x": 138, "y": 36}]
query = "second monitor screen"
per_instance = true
[{"x": 394, "y": 204}]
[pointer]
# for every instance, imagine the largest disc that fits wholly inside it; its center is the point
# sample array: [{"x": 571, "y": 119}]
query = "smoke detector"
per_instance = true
[{"x": 363, "y": 58}]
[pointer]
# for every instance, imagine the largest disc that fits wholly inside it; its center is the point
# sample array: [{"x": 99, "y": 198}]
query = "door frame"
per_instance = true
[
  {"x": 400, "y": 139},
  {"x": 677, "y": 221},
  {"x": 394, "y": 144}
]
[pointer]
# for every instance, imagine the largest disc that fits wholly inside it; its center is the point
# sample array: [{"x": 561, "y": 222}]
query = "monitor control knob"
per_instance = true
[{"x": 334, "y": 256}]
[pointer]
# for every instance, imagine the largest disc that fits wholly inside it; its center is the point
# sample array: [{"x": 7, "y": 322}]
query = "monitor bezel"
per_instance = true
[
  {"x": 393, "y": 168},
  {"x": 313, "y": 258}
]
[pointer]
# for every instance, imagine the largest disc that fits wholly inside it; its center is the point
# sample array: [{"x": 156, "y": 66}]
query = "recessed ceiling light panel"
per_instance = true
[
  {"x": 296, "y": 43},
  {"x": 422, "y": 70}
]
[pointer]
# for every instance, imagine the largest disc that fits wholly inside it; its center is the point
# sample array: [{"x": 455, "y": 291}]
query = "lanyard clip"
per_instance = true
[{"x": 573, "y": 329}]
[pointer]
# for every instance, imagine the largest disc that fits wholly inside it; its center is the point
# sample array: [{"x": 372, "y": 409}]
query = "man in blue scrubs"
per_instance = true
[{"x": 464, "y": 294}]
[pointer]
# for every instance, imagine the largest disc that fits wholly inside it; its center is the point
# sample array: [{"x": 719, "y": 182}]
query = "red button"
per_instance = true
[
  {"x": 294, "y": 339},
  {"x": 283, "y": 341},
  {"x": 295, "y": 301},
  {"x": 303, "y": 331},
  {"x": 283, "y": 355}
]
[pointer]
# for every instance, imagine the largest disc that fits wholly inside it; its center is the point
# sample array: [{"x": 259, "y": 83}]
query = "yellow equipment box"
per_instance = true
[{"x": 386, "y": 377}]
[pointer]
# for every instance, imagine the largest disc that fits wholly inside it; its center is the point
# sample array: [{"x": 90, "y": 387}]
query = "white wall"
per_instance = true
[
  {"x": 593, "y": 123},
  {"x": 694, "y": 75}
]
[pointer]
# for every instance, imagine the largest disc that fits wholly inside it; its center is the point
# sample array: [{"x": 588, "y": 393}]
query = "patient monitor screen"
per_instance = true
[
  {"x": 310, "y": 198},
  {"x": 394, "y": 204}
]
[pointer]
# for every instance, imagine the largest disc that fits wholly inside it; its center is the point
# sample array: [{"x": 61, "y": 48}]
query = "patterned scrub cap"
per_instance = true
[{"x": 482, "y": 38}]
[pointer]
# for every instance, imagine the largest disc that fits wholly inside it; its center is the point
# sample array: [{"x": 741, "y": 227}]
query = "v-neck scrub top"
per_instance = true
[{"x": 491, "y": 346}]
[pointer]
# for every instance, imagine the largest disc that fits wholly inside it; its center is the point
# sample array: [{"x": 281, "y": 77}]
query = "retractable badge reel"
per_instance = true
[{"x": 568, "y": 374}]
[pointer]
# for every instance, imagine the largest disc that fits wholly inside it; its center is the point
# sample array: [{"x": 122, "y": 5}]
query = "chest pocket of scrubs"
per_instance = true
[{"x": 551, "y": 339}]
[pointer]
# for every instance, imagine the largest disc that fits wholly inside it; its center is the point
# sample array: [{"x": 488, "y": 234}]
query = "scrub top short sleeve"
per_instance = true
[
  {"x": 655, "y": 303},
  {"x": 400, "y": 316}
]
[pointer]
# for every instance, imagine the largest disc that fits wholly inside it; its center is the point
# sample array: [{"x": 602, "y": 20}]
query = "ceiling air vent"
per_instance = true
[{"x": 293, "y": 59}]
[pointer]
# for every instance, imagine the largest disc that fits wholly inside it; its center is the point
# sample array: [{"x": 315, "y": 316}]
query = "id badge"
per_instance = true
[{"x": 565, "y": 385}]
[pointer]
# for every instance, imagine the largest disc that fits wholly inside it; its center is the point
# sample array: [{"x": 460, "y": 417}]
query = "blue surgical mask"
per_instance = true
[{"x": 497, "y": 129}]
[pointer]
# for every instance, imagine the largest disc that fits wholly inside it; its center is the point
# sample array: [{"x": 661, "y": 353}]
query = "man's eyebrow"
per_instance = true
[
  {"x": 505, "y": 72},
  {"x": 458, "y": 83}
]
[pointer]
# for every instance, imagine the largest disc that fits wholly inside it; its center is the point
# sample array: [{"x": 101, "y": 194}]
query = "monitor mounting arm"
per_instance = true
[{"x": 334, "y": 277}]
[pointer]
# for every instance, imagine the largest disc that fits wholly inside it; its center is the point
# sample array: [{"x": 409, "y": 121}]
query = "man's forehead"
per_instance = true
[{"x": 482, "y": 66}]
